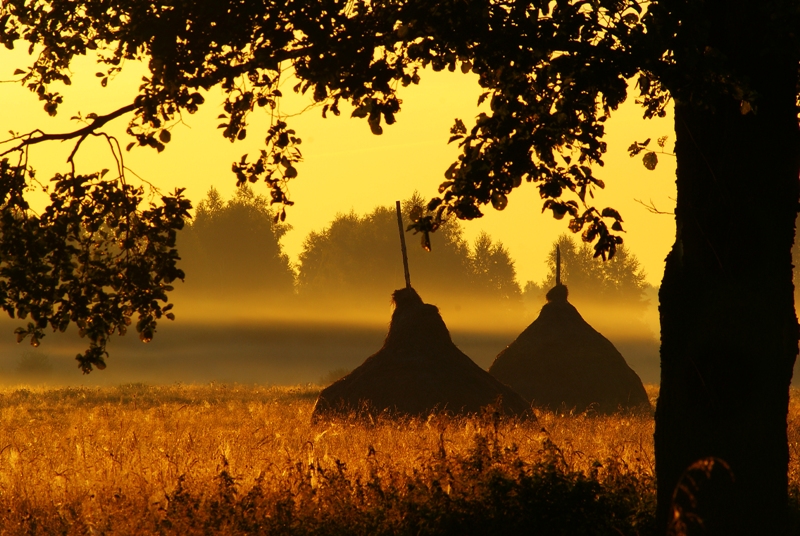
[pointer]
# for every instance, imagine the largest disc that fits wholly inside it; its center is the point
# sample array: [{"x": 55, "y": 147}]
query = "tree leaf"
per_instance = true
[
  {"x": 630, "y": 18},
  {"x": 650, "y": 160},
  {"x": 634, "y": 149},
  {"x": 361, "y": 112},
  {"x": 499, "y": 200}
]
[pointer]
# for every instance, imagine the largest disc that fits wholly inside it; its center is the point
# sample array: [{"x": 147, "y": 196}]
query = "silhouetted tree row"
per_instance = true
[
  {"x": 618, "y": 282},
  {"x": 233, "y": 247},
  {"x": 232, "y": 251},
  {"x": 358, "y": 258}
]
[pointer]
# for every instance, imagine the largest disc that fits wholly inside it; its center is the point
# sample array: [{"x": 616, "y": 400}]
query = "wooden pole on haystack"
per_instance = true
[
  {"x": 558, "y": 265},
  {"x": 403, "y": 244}
]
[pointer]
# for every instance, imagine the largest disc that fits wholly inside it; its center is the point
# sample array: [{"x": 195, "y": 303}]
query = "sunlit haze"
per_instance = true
[{"x": 347, "y": 168}]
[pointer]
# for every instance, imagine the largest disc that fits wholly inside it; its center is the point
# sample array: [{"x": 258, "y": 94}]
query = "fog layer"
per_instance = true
[{"x": 246, "y": 313}]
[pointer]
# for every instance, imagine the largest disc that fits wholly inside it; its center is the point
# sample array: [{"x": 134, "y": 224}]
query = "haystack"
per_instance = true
[
  {"x": 417, "y": 371},
  {"x": 561, "y": 361}
]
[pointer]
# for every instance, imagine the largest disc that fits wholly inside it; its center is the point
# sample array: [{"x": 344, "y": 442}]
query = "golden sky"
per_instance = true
[{"x": 346, "y": 167}]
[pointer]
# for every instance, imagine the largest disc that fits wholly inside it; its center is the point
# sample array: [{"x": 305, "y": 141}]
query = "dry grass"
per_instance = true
[{"x": 228, "y": 459}]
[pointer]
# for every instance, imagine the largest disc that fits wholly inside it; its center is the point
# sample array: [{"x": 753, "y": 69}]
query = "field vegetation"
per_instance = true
[{"x": 232, "y": 459}]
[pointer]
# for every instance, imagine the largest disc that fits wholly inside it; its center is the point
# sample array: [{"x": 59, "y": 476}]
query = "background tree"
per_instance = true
[
  {"x": 493, "y": 273},
  {"x": 356, "y": 262},
  {"x": 618, "y": 283},
  {"x": 553, "y": 72},
  {"x": 232, "y": 251}
]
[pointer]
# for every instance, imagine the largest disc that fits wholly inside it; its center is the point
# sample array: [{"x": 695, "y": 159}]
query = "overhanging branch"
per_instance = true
[{"x": 37, "y": 136}]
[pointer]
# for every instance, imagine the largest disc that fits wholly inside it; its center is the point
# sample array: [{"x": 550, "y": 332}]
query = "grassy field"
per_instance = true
[{"x": 229, "y": 459}]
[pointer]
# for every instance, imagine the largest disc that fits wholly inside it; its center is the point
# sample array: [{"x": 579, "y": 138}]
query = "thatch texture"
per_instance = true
[
  {"x": 560, "y": 361},
  {"x": 417, "y": 371}
]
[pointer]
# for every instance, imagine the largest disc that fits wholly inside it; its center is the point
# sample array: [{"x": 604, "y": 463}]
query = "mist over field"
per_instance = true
[
  {"x": 241, "y": 340},
  {"x": 246, "y": 313}
]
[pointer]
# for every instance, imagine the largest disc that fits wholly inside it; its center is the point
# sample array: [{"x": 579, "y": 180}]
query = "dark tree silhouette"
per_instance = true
[
  {"x": 356, "y": 258},
  {"x": 553, "y": 72},
  {"x": 618, "y": 283},
  {"x": 232, "y": 250},
  {"x": 493, "y": 272}
]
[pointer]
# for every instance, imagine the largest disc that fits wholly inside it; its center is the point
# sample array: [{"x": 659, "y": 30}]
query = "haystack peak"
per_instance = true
[{"x": 558, "y": 293}]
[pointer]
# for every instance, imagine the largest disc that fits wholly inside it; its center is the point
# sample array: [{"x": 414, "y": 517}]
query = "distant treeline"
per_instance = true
[
  {"x": 612, "y": 295},
  {"x": 232, "y": 255}
]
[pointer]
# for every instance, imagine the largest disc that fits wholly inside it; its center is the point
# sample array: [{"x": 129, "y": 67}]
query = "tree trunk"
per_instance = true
[{"x": 729, "y": 332}]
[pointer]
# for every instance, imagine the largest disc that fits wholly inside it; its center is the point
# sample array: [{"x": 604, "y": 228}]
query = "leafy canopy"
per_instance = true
[
  {"x": 93, "y": 257},
  {"x": 552, "y": 73}
]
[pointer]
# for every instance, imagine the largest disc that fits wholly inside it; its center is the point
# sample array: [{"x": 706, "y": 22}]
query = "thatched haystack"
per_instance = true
[
  {"x": 561, "y": 361},
  {"x": 417, "y": 371}
]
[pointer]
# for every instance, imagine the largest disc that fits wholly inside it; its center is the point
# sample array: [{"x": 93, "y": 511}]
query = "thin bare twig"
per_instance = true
[
  {"x": 652, "y": 208},
  {"x": 154, "y": 190}
]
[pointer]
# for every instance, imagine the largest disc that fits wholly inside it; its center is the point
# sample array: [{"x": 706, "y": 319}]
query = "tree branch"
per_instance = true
[
  {"x": 651, "y": 207},
  {"x": 32, "y": 139}
]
